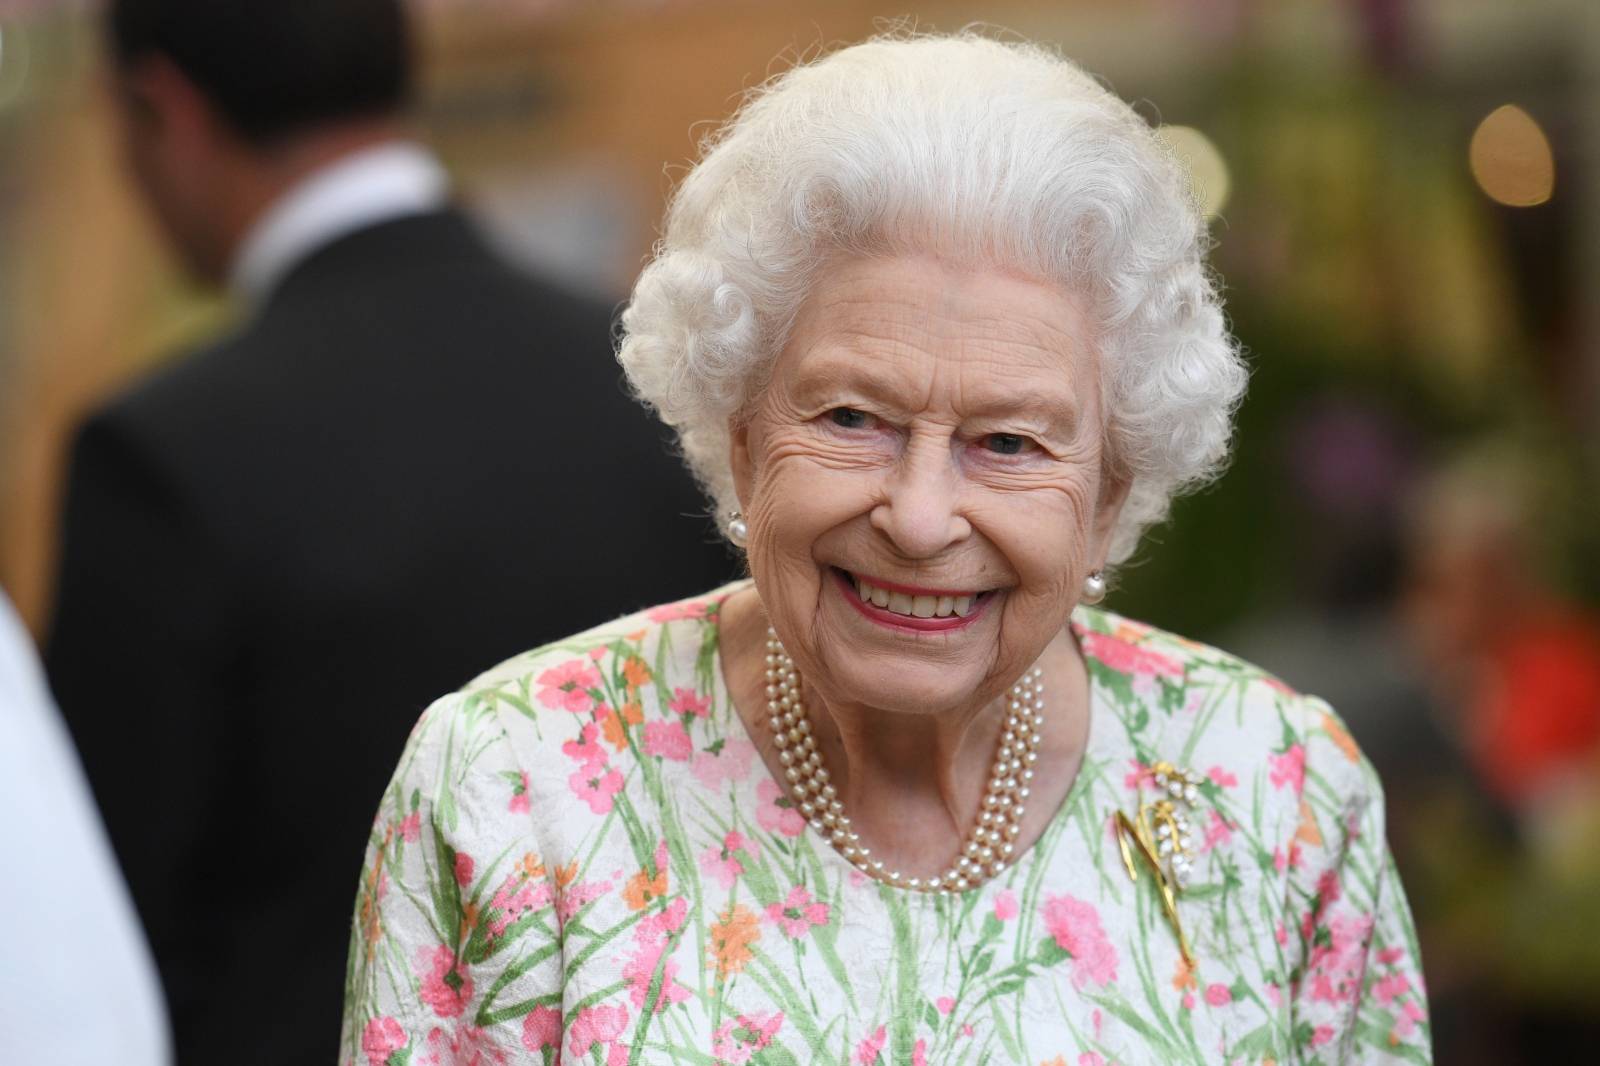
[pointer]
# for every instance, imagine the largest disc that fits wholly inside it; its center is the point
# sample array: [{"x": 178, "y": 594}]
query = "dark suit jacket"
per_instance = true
[{"x": 412, "y": 463}]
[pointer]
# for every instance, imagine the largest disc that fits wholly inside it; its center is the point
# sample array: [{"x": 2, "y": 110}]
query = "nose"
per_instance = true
[{"x": 920, "y": 511}]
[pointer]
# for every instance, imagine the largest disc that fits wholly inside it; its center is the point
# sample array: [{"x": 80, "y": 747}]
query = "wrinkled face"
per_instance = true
[{"x": 923, "y": 481}]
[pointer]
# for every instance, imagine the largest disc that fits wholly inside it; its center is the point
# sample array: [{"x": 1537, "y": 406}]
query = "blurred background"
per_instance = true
[{"x": 1406, "y": 203}]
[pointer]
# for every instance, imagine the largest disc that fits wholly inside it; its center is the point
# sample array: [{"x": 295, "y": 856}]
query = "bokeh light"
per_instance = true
[
  {"x": 1207, "y": 169},
  {"x": 1511, "y": 158}
]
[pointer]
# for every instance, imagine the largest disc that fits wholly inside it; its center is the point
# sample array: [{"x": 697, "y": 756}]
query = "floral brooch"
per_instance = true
[{"x": 1164, "y": 837}]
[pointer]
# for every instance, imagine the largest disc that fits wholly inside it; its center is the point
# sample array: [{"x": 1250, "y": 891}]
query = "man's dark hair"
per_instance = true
[{"x": 275, "y": 67}]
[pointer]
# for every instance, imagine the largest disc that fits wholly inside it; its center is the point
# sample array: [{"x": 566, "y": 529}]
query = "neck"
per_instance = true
[
  {"x": 913, "y": 785},
  {"x": 265, "y": 175}
]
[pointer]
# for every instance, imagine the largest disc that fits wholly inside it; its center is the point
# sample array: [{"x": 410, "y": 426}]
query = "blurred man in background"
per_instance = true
[{"x": 308, "y": 492}]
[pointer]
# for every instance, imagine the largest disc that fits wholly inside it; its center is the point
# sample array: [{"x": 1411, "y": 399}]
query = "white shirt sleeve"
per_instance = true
[{"x": 77, "y": 985}]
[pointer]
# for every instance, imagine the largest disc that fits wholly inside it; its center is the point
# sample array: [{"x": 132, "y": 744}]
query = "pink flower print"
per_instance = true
[
  {"x": 1005, "y": 905},
  {"x": 1289, "y": 768},
  {"x": 519, "y": 794},
  {"x": 595, "y": 785},
  {"x": 679, "y": 612},
  {"x": 639, "y": 972},
  {"x": 688, "y": 703},
  {"x": 1188, "y": 1001},
  {"x": 1283, "y": 862},
  {"x": 919, "y": 1053},
  {"x": 446, "y": 984},
  {"x": 1218, "y": 994},
  {"x": 586, "y": 749},
  {"x": 1392, "y": 987},
  {"x": 945, "y": 1004},
  {"x": 668, "y": 740},
  {"x": 651, "y": 938},
  {"x": 1274, "y": 996},
  {"x": 1335, "y": 967},
  {"x": 573, "y": 898},
  {"x": 1140, "y": 776},
  {"x": 382, "y": 1038},
  {"x": 1217, "y": 831},
  {"x": 516, "y": 897},
  {"x": 722, "y": 862},
  {"x": 1075, "y": 925},
  {"x": 776, "y": 813},
  {"x": 735, "y": 1042},
  {"x": 1410, "y": 1015},
  {"x": 798, "y": 913},
  {"x": 1126, "y": 658},
  {"x": 1077, "y": 930},
  {"x": 541, "y": 1028},
  {"x": 868, "y": 1050},
  {"x": 1222, "y": 778},
  {"x": 411, "y": 827},
  {"x": 566, "y": 687},
  {"x": 600, "y": 1024},
  {"x": 1390, "y": 956},
  {"x": 967, "y": 1030},
  {"x": 598, "y": 653},
  {"x": 466, "y": 1046},
  {"x": 1091, "y": 1058},
  {"x": 464, "y": 868},
  {"x": 725, "y": 762},
  {"x": 1322, "y": 1034}
]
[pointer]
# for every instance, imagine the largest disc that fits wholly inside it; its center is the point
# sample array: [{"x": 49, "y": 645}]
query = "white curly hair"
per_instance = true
[{"x": 988, "y": 153}]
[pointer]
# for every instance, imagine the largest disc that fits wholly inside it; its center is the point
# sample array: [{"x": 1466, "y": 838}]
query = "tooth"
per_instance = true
[
  {"x": 946, "y": 605},
  {"x": 963, "y": 605},
  {"x": 899, "y": 603},
  {"x": 880, "y": 597},
  {"x": 862, "y": 589},
  {"x": 922, "y": 606}
]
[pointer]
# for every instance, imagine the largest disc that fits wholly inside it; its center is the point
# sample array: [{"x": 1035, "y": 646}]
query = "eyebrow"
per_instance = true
[{"x": 837, "y": 369}]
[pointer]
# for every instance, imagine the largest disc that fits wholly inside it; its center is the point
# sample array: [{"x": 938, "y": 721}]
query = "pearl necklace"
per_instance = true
[{"x": 987, "y": 850}]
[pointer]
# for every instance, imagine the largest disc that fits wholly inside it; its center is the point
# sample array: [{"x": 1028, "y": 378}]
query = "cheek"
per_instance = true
[{"x": 1046, "y": 536}]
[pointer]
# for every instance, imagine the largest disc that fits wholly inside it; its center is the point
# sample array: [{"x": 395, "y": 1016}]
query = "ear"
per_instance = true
[
  {"x": 167, "y": 103},
  {"x": 1113, "y": 495},
  {"x": 739, "y": 457}
]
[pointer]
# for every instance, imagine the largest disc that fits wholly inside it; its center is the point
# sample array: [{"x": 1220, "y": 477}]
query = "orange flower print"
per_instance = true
[
  {"x": 636, "y": 673},
  {"x": 1183, "y": 977},
  {"x": 642, "y": 887},
  {"x": 611, "y": 728},
  {"x": 567, "y": 874},
  {"x": 1341, "y": 737},
  {"x": 1309, "y": 832},
  {"x": 531, "y": 865},
  {"x": 731, "y": 940}
]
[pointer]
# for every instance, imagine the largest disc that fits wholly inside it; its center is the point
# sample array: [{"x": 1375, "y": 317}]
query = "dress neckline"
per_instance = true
[{"x": 1093, "y": 753}]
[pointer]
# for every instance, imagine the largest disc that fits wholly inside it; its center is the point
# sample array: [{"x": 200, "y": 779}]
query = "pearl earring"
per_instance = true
[
  {"x": 738, "y": 529},
  {"x": 1094, "y": 587}
]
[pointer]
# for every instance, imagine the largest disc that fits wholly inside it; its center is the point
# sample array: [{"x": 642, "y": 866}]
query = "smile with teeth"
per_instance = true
[{"x": 914, "y": 606}]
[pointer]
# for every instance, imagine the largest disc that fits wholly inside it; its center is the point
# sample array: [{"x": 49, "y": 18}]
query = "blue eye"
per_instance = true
[
  {"x": 849, "y": 417},
  {"x": 1006, "y": 443}
]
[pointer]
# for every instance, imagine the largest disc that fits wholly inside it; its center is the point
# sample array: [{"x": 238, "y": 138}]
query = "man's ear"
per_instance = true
[{"x": 169, "y": 104}]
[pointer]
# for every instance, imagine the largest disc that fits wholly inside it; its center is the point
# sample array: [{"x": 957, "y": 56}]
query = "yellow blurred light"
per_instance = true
[
  {"x": 1208, "y": 171},
  {"x": 1511, "y": 158}
]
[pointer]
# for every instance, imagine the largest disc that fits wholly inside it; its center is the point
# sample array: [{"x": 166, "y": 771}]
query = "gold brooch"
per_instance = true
[{"x": 1164, "y": 837}]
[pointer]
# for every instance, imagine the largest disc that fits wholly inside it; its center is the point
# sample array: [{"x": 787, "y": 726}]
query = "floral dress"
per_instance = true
[{"x": 582, "y": 859}]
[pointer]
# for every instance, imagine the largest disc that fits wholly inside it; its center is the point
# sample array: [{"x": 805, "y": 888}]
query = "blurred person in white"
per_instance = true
[{"x": 77, "y": 986}]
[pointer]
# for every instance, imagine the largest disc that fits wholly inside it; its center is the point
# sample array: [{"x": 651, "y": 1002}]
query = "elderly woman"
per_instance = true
[{"x": 932, "y": 323}]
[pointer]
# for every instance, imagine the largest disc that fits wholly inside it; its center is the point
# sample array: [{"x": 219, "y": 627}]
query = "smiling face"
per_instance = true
[{"x": 924, "y": 483}]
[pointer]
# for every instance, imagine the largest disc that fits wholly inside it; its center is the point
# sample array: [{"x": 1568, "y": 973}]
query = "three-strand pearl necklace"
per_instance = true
[{"x": 991, "y": 845}]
